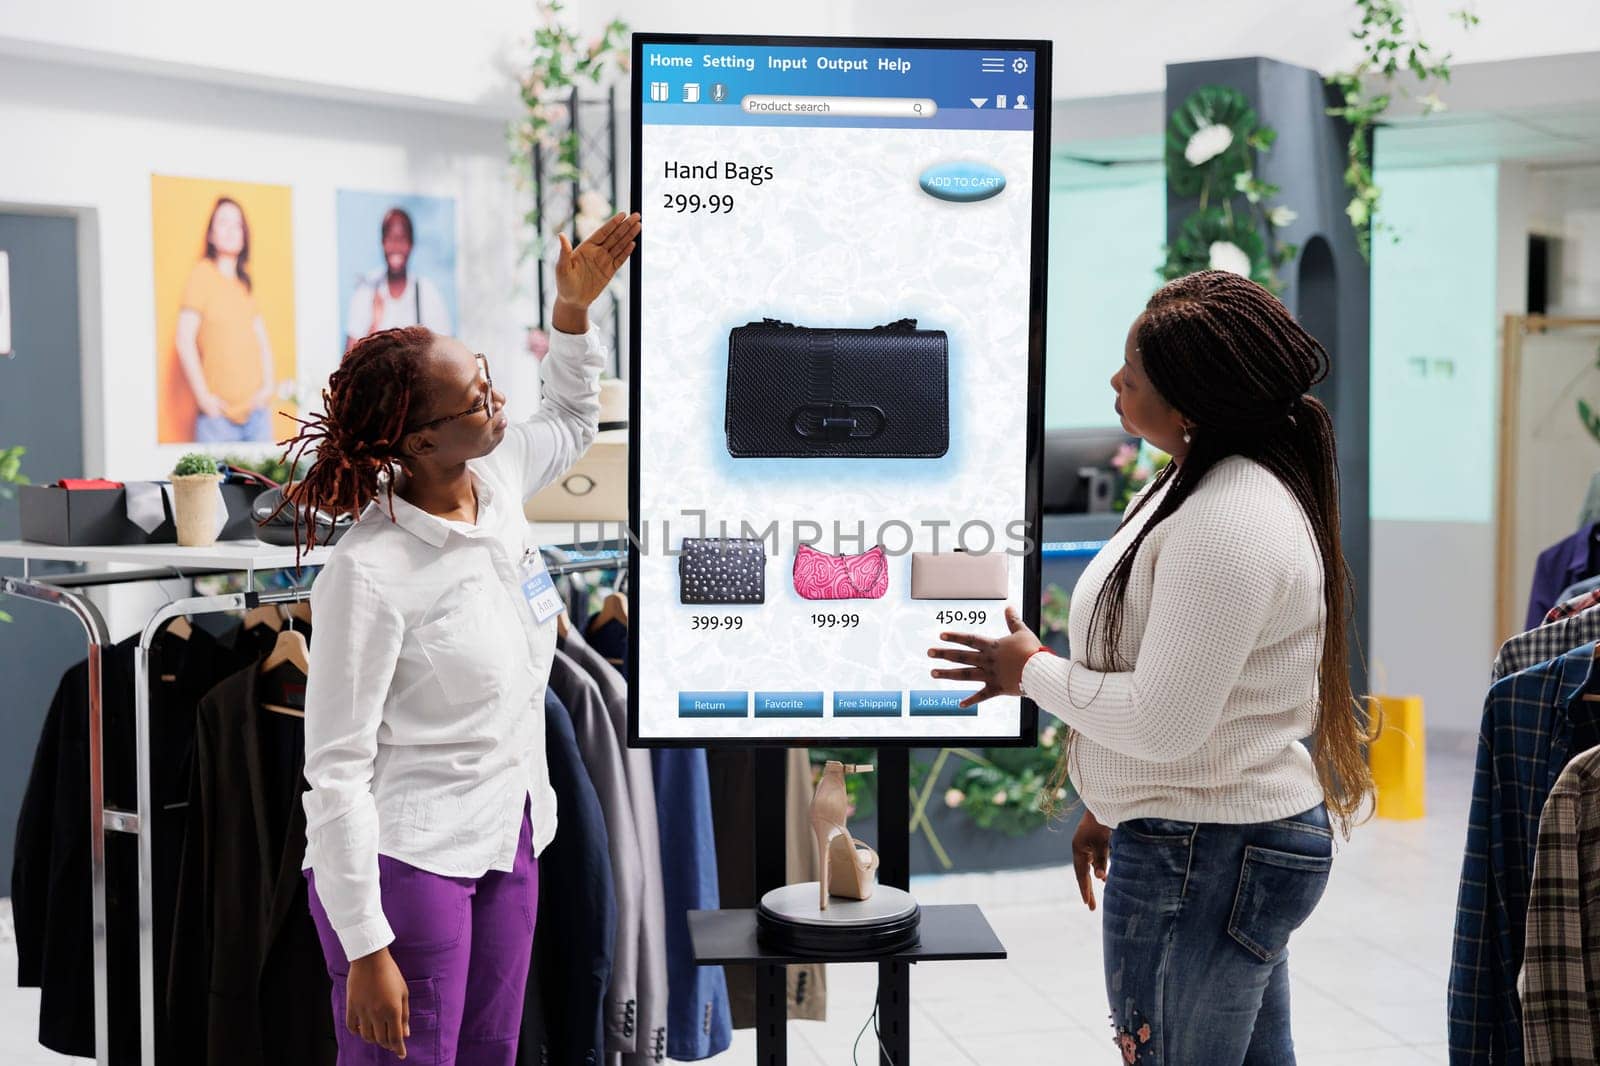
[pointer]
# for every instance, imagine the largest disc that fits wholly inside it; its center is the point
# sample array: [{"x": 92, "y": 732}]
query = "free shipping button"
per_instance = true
[{"x": 867, "y": 704}]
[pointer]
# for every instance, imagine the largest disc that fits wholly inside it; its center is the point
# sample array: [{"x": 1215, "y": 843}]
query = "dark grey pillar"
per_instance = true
[{"x": 1327, "y": 285}]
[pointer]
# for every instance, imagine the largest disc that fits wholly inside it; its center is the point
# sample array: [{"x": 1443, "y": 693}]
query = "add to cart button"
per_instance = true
[
  {"x": 713, "y": 705},
  {"x": 788, "y": 705},
  {"x": 941, "y": 702},
  {"x": 866, "y": 704}
]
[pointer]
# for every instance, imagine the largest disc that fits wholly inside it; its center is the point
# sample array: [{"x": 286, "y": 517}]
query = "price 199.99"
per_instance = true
[{"x": 717, "y": 203}]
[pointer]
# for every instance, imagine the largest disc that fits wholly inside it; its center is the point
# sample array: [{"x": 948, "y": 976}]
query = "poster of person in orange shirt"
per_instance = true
[{"x": 224, "y": 309}]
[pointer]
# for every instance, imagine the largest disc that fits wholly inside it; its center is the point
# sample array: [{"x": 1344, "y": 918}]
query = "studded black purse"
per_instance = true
[
  {"x": 722, "y": 570},
  {"x": 802, "y": 393}
]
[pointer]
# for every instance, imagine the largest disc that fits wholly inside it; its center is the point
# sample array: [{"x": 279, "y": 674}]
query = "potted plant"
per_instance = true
[{"x": 195, "y": 498}]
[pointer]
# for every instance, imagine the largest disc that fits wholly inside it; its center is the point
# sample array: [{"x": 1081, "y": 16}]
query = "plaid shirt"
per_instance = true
[
  {"x": 1545, "y": 642},
  {"x": 1527, "y": 732},
  {"x": 1573, "y": 606},
  {"x": 1561, "y": 967}
]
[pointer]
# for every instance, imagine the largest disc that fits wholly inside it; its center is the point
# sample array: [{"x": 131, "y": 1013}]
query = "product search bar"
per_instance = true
[{"x": 843, "y": 106}]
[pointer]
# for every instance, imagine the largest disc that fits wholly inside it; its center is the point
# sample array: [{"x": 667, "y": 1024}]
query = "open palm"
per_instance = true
[{"x": 582, "y": 273}]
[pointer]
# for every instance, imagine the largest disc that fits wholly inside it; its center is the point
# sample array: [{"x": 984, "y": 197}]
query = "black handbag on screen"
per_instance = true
[
  {"x": 801, "y": 393},
  {"x": 722, "y": 570}
]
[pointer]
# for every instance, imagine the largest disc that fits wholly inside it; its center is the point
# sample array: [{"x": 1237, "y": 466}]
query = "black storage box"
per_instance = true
[{"x": 92, "y": 517}]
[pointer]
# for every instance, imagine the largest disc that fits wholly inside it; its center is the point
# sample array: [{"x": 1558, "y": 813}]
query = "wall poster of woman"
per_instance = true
[{"x": 224, "y": 273}]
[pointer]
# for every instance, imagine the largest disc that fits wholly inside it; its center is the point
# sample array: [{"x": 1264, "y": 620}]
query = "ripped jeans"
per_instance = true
[{"x": 1197, "y": 920}]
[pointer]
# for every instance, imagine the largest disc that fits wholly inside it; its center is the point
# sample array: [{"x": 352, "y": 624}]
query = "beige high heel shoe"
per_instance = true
[{"x": 849, "y": 867}]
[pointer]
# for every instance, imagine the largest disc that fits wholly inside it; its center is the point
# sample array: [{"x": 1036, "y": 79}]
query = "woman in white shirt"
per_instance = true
[
  {"x": 1208, "y": 639},
  {"x": 430, "y": 795}
]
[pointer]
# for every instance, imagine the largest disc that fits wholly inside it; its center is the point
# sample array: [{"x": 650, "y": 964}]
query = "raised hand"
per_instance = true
[{"x": 582, "y": 273}]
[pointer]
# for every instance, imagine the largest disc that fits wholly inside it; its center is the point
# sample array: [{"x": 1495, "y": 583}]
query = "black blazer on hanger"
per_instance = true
[
  {"x": 50, "y": 890},
  {"x": 249, "y": 986},
  {"x": 563, "y": 1015}
]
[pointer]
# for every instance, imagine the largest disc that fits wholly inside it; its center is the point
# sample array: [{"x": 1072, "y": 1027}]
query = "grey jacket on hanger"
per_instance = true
[
  {"x": 651, "y": 1046},
  {"x": 602, "y": 757}
]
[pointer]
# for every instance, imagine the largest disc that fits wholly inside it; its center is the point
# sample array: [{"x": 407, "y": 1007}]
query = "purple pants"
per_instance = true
[{"x": 463, "y": 945}]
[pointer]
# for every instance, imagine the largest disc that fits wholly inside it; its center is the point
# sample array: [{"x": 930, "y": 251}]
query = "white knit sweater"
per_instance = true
[{"x": 1223, "y": 625}]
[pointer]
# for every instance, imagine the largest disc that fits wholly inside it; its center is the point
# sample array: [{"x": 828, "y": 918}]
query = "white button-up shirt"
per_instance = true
[{"x": 424, "y": 705}]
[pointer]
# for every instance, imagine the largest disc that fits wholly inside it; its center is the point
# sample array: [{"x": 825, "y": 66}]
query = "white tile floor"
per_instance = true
[{"x": 1369, "y": 969}]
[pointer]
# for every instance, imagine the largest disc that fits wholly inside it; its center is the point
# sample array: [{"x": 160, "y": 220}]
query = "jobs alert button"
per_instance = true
[{"x": 938, "y": 702}]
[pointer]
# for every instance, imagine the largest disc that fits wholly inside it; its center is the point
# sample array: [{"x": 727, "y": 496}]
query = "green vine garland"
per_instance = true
[
  {"x": 1386, "y": 50},
  {"x": 1211, "y": 143},
  {"x": 558, "y": 62}
]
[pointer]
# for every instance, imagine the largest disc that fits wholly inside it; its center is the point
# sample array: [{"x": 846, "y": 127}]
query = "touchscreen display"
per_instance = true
[{"x": 836, "y": 382}]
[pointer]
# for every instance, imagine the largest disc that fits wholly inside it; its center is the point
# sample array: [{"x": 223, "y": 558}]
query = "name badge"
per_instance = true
[{"x": 538, "y": 588}]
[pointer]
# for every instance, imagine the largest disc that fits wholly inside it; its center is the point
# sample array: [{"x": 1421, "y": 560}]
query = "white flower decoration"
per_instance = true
[
  {"x": 1281, "y": 216},
  {"x": 954, "y": 797},
  {"x": 1207, "y": 143},
  {"x": 999, "y": 799},
  {"x": 1225, "y": 255}
]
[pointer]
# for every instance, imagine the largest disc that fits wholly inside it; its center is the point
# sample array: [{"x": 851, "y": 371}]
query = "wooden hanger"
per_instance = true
[
  {"x": 290, "y": 655},
  {"x": 561, "y": 626},
  {"x": 300, "y": 611},
  {"x": 613, "y": 609},
  {"x": 179, "y": 627},
  {"x": 267, "y": 615}
]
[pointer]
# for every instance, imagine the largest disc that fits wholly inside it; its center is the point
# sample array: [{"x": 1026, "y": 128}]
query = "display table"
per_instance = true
[{"x": 947, "y": 932}]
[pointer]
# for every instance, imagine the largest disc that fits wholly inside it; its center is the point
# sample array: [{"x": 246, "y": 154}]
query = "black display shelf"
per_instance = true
[{"x": 947, "y": 932}]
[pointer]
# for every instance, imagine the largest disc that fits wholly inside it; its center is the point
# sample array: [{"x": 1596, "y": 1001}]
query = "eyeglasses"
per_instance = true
[{"x": 483, "y": 404}]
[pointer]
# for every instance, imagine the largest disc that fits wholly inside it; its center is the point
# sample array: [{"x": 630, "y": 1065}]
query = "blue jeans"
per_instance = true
[
  {"x": 1196, "y": 926},
  {"x": 223, "y": 430}
]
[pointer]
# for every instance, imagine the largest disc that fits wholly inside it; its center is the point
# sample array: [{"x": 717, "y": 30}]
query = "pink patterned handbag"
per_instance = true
[{"x": 820, "y": 576}]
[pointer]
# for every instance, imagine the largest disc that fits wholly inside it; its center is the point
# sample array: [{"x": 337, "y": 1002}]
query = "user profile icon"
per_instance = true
[{"x": 1021, "y": 104}]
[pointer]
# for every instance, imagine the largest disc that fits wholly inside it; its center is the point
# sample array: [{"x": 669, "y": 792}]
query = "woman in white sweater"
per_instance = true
[{"x": 1208, "y": 640}]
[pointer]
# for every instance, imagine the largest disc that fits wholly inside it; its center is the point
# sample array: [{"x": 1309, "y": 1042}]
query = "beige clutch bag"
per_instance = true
[{"x": 958, "y": 575}]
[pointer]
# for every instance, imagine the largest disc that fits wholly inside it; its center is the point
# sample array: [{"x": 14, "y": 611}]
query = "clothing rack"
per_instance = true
[{"x": 158, "y": 562}]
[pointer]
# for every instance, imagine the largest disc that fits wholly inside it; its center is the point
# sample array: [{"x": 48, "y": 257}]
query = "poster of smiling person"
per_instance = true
[
  {"x": 224, "y": 286},
  {"x": 397, "y": 263}
]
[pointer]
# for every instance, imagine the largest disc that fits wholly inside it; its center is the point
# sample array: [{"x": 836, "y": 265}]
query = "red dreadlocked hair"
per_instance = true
[{"x": 367, "y": 405}]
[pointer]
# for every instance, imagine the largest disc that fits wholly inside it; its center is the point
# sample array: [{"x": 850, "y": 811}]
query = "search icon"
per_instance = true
[{"x": 917, "y": 107}]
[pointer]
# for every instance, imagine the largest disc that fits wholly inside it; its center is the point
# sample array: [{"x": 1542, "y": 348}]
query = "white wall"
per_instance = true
[
  {"x": 88, "y": 138},
  {"x": 1110, "y": 47},
  {"x": 460, "y": 53}
]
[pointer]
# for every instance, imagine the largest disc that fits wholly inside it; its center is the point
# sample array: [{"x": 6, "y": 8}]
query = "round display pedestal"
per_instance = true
[{"x": 790, "y": 919}]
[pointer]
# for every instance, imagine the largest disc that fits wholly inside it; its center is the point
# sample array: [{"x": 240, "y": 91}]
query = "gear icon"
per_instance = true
[{"x": 1019, "y": 65}]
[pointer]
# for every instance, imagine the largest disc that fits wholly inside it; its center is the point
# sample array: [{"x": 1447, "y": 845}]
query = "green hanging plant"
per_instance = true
[
  {"x": 1387, "y": 48},
  {"x": 1209, "y": 141},
  {"x": 1217, "y": 239}
]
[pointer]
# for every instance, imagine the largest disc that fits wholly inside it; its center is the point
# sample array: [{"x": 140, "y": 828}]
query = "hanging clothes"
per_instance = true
[
  {"x": 733, "y": 803},
  {"x": 698, "y": 1021},
  {"x": 1577, "y": 603},
  {"x": 1589, "y": 513},
  {"x": 602, "y": 758},
  {"x": 651, "y": 1044},
  {"x": 1561, "y": 963},
  {"x": 610, "y": 639},
  {"x": 563, "y": 1013},
  {"x": 1532, "y": 721},
  {"x": 1544, "y": 643},
  {"x": 51, "y": 888},
  {"x": 1565, "y": 562},
  {"x": 246, "y": 957}
]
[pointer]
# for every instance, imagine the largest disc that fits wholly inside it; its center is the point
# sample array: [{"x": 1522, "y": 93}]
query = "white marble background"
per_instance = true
[{"x": 841, "y": 236}]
